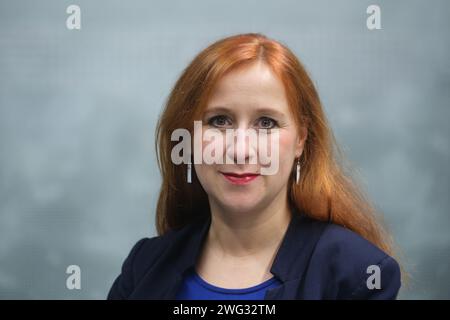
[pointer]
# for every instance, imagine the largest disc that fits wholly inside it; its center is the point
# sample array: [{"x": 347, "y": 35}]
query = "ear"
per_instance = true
[{"x": 300, "y": 144}]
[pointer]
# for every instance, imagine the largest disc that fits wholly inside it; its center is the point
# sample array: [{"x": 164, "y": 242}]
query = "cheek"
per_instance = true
[
  {"x": 203, "y": 175},
  {"x": 207, "y": 175},
  {"x": 287, "y": 143},
  {"x": 286, "y": 151},
  {"x": 203, "y": 170}
]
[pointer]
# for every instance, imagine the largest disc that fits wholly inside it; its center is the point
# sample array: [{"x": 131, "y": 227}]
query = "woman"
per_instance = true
[{"x": 226, "y": 231}]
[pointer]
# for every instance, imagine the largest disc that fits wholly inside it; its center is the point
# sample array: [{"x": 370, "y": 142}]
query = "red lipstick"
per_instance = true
[{"x": 240, "y": 178}]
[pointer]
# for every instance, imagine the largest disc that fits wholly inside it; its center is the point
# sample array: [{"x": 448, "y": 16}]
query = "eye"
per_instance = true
[
  {"x": 267, "y": 123},
  {"x": 218, "y": 121}
]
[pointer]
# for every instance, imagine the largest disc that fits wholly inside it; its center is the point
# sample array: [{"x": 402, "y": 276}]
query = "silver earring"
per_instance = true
[
  {"x": 297, "y": 176},
  {"x": 189, "y": 173}
]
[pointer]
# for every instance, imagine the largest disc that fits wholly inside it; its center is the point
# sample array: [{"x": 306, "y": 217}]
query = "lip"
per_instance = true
[{"x": 240, "y": 178}]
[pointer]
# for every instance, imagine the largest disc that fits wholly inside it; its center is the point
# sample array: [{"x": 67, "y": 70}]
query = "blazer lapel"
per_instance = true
[{"x": 293, "y": 256}]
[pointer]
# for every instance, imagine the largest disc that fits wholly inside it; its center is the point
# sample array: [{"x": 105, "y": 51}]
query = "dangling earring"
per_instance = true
[
  {"x": 189, "y": 173},
  {"x": 297, "y": 176}
]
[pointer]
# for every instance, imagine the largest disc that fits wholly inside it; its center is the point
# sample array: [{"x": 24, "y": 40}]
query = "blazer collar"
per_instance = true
[{"x": 292, "y": 256}]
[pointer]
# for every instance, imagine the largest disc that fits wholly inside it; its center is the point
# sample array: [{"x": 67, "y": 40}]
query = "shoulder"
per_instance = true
[
  {"x": 357, "y": 269},
  {"x": 143, "y": 255},
  {"x": 345, "y": 243}
]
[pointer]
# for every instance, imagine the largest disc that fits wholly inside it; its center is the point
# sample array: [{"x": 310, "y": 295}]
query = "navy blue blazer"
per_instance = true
[{"x": 316, "y": 260}]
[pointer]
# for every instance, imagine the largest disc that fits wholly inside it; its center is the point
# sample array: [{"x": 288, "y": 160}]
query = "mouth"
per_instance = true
[{"x": 240, "y": 178}]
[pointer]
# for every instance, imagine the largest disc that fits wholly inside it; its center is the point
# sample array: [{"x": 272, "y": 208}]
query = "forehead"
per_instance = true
[{"x": 251, "y": 86}]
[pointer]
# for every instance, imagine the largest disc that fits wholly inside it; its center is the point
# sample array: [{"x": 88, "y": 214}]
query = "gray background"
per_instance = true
[{"x": 78, "y": 173}]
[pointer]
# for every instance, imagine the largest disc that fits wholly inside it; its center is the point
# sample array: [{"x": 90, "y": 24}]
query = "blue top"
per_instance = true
[{"x": 195, "y": 288}]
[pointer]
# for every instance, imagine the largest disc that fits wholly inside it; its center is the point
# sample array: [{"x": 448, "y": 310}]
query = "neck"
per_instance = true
[{"x": 248, "y": 233}]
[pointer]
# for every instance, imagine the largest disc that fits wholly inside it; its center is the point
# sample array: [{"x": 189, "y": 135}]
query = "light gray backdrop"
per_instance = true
[{"x": 78, "y": 173}]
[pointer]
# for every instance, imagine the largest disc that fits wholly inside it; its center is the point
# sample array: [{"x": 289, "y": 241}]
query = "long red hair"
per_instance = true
[{"x": 326, "y": 190}]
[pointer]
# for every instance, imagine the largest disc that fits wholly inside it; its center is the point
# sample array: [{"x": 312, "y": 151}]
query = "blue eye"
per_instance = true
[
  {"x": 267, "y": 123},
  {"x": 222, "y": 121},
  {"x": 218, "y": 121}
]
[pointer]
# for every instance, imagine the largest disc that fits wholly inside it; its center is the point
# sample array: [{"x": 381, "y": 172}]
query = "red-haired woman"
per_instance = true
[{"x": 226, "y": 231}]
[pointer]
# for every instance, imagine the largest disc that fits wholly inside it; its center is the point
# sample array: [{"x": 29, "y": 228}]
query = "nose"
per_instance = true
[{"x": 241, "y": 146}]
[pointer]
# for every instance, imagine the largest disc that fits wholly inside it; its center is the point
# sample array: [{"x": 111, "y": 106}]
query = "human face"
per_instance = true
[{"x": 250, "y": 97}]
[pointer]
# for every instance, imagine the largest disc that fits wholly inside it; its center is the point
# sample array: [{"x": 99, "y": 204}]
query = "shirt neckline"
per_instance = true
[{"x": 212, "y": 287}]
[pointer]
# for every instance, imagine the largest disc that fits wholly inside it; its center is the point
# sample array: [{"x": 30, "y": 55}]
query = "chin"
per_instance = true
[
  {"x": 241, "y": 209},
  {"x": 239, "y": 204}
]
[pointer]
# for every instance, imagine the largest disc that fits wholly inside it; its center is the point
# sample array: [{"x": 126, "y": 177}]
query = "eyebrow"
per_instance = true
[{"x": 263, "y": 110}]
